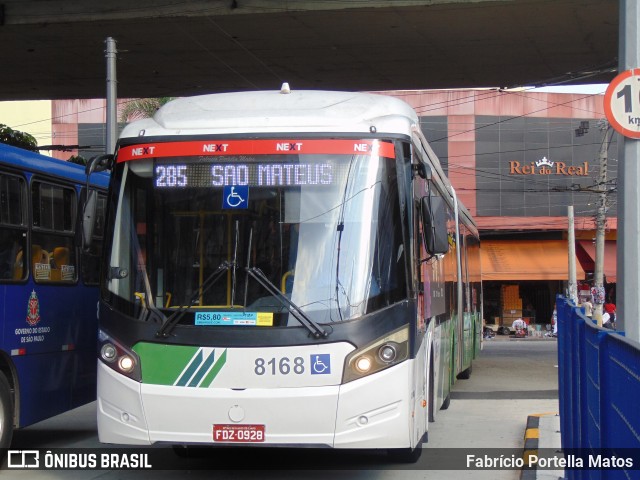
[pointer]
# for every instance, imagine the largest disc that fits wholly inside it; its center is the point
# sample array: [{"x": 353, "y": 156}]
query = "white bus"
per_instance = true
[{"x": 274, "y": 254}]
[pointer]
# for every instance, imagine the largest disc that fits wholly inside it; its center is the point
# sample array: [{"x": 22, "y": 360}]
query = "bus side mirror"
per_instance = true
[
  {"x": 89, "y": 210},
  {"x": 434, "y": 225},
  {"x": 99, "y": 163}
]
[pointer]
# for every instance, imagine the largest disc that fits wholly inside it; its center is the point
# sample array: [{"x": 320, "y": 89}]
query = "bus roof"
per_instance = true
[
  {"x": 26, "y": 160},
  {"x": 310, "y": 111}
]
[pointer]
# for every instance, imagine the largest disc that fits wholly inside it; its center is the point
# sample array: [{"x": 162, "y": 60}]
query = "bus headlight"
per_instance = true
[
  {"x": 378, "y": 355},
  {"x": 126, "y": 364},
  {"x": 118, "y": 358},
  {"x": 108, "y": 353},
  {"x": 363, "y": 364},
  {"x": 388, "y": 352}
]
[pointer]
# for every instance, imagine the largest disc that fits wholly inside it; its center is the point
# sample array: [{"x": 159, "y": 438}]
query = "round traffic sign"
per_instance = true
[{"x": 622, "y": 103}]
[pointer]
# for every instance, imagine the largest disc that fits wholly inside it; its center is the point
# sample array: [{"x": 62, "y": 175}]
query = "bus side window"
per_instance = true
[
  {"x": 60, "y": 268},
  {"x": 40, "y": 263},
  {"x": 11, "y": 245},
  {"x": 18, "y": 266},
  {"x": 13, "y": 226},
  {"x": 53, "y": 253}
]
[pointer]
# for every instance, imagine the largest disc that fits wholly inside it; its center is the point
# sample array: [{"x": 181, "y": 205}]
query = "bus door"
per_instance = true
[
  {"x": 467, "y": 317},
  {"x": 209, "y": 238}
]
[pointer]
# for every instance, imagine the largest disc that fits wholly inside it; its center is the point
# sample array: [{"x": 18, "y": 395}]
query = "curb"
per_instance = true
[{"x": 531, "y": 444}]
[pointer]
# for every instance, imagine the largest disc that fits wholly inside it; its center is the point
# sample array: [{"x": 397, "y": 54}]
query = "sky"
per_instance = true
[{"x": 587, "y": 89}]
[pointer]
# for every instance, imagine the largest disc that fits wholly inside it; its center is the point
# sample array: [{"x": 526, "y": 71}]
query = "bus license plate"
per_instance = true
[{"x": 238, "y": 433}]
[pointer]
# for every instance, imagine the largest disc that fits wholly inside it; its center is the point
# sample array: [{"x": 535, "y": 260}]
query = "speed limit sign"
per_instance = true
[{"x": 622, "y": 103}]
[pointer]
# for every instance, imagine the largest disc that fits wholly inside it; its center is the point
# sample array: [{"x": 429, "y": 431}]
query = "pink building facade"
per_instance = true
[{"x": 517, "y": 159}]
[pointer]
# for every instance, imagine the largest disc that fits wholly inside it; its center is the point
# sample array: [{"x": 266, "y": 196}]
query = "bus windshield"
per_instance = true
[{"x": 324, "y": 230}]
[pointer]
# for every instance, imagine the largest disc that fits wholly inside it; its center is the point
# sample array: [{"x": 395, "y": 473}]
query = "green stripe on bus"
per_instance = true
[
  {"x": 196, "y": 361},
  {"x": 162, "y": 364},
  {"x": 203, "y": 369},
  {"x": 214, "y": 371}
]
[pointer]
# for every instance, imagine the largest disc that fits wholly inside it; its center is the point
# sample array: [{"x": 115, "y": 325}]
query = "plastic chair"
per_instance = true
[{"x": 18, "y": 266}]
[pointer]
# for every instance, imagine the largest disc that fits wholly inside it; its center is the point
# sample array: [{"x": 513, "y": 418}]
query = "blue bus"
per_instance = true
[{"x": 48, "y": 289}]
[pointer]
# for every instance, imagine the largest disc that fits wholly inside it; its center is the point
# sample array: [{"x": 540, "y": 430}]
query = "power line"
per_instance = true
[{"x": 470, "y": 98}]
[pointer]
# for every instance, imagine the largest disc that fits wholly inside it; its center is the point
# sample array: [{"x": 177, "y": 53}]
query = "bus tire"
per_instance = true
[
  {"x": 405, "y": 455},
  {"x": 465, "y": 374},
  {"x": 446, "y": 403},
  {"x": 6, "y": 413}
]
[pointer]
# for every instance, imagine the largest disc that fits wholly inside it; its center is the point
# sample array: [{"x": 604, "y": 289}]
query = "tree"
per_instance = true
[
  {"x": 78, "y": 160},
  {"x": 142, "y": 108},
  {"x": 18, "y": 139}
]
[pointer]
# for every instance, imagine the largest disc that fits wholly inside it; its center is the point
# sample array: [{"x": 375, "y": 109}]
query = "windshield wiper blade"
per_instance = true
[
  {"x": 316, "y": 330},
  {"x": 175, "y": 317}
]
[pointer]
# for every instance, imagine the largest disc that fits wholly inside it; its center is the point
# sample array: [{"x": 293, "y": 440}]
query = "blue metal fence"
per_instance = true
[{"x": 599, "y": 387}]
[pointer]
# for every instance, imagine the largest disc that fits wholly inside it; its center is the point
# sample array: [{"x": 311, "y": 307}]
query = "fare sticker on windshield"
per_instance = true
[{"x": 243, "y": 319}]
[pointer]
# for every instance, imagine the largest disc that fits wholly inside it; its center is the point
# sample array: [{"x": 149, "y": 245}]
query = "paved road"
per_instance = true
[{"x": 511, "y": 380}]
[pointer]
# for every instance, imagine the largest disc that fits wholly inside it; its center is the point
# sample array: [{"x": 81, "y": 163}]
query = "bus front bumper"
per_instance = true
[{"x": 372, "y": 412}]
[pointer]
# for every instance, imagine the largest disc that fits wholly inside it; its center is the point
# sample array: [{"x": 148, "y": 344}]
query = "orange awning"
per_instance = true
[
  {"x": 527, "y": 260},
  {"x": 610, "y": 252}
]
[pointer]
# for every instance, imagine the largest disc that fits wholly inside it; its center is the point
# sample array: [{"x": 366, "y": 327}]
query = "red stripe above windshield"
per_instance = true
[{"x": 254, "y": 147}]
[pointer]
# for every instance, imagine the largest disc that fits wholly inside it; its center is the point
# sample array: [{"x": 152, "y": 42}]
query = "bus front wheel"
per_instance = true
[
  {"x": 6, "y": 413},
  {"x": 446, "y": 402},
  {"x": 466, "y": 374},
  {"x": 405, "y": 455}
]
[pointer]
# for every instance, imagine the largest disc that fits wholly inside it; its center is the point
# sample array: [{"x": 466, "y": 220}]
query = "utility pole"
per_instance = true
[
  {"x": 627, "y": 304},
  {"x": 573, "y": 284},
  {"x": 112, "y": 96},
  {"x": 598, "y": 292}
]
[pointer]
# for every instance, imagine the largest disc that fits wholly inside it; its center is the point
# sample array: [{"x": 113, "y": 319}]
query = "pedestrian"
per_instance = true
[
  {"x": 588, "y": 307},
  {"x": 554, "y": 321},
  {"x": 606, "y": 321},
  {"x": 610, "y": 308},
  {"x": 520, "y": 326}
]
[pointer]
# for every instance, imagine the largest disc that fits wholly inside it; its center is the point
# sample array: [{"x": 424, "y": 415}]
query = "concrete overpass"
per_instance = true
[{"x": 55, "y": 49}]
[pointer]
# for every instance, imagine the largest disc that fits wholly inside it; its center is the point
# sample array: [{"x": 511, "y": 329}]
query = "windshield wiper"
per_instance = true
[
  {"x": 175, "y": 317},
  {"x": 316, "y": 330}
]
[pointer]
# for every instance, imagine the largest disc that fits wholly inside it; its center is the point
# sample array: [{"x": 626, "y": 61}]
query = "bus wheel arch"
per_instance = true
[
  {"x": 6, "y": 412},
  {"x": 9, "y": 404},
  {"x": 407, "y": 455}
]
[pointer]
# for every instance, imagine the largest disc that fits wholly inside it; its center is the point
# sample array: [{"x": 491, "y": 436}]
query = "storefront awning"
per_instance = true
[
  {"x": 610, "y": 252},
  {"x": 527, "y": 260}
]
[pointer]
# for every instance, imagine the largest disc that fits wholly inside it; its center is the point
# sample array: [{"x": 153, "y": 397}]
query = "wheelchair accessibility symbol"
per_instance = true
[
  {"x": 235, "y": 197},
  {"x": 321, "y": 364}
]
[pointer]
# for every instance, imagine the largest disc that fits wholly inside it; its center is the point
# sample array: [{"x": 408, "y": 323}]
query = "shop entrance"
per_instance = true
[{"x": 505, "y": 301}]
